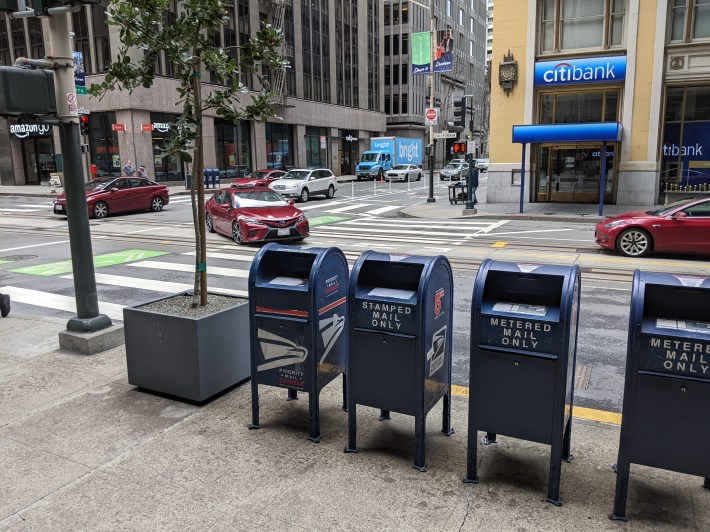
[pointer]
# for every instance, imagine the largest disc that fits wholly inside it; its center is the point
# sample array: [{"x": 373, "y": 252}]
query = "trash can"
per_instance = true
[
  {"x": 667, "y": 387},
  {"x": 524, "y": 321},
  {"x": 298, "y": 299},
  {"x": 400, "y": 340}
]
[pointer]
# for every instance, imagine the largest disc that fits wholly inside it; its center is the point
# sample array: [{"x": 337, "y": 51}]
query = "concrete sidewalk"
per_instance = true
[{"x": 81, "y": 449}]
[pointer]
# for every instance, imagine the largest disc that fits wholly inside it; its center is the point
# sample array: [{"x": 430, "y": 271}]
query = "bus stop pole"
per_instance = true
[{"x": 522, "y": 181}]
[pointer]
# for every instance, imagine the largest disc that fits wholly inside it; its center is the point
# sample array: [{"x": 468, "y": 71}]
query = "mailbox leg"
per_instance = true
[
  {"x": 553, "y": 486},
  {"x": 622, "y": 490},
  {"x": 567, "y": 442},
  {"x": 254, "y": 404},
  {"x": 314, "y": 411},
  {"x": 706, "y": 484},
  {"x": 420, "y": 451},
  {"x": 352, "y": 425},
  {"x": 446, "y": 424},
  {"x": 385, "y": 415},
  {"x": 472, "y": 455},
  {"x": 292, "y": 395},
  {"x": 490, "y": 437},
  {"x": 345, "y": 392}
]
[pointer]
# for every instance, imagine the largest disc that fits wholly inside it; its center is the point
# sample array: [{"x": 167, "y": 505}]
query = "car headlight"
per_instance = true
[
  {"x": 291, "y": 186},
  {"x": 302, "y": 218},
  {"x": 616, "y": 223},
  {"x": 248, "y": 220}
]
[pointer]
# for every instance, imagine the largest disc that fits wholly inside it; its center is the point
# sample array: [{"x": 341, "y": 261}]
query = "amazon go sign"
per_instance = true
[{"x": 575, "y": 71}]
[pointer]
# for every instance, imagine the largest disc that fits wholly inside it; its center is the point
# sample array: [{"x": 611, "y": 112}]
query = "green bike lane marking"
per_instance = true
[
  {"x": 108, "y": 259},
  {"x": 5, "y": 261},
  {"x": 322, "y": 220}
]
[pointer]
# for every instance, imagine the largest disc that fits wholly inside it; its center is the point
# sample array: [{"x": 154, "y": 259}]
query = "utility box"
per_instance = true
[
  {"x": 298, "y": 299},
  {"x": 26, "y": 92},
  {"x": 667, "y": 389},
  {"x": 524, "y": 321},
  {"x": 401, "y": 311}
]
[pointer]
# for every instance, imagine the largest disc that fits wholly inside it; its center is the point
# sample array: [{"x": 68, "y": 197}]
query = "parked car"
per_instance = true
[
  {"x": 112, "y": 195},
  {"x": 454, "y": 171},
  {"x": 306, "y": 182},
  {"x": 404, "y": 172},
  {"x": 258, "y": 178},
  {"x": 254, "y": 214},
  {"x": 457, "y": 161},
  {"x": 681, "y": 227},
  {"x": 234, "y": 172},
  {"x": 482, "y": 165}
]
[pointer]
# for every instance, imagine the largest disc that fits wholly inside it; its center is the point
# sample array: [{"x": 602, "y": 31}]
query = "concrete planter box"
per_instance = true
[
  {"x": 186, "y": 357},
  {"x": 677, "y": 195}
]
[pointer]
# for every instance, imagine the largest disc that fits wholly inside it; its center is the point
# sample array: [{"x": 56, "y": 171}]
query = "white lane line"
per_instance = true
[
  {"x": 437, "y": 250},
  {"x": 33, "y": 206},
  {"x": 379, "y": 239},
  {"x": 144, "y": 230},
  {"x": 34, "y": 246},
  {"x": 349, "y": 207},
  {"x": 48, "y": 300},
  {"x": 228, "y": 256},
  {"x": 492, "y": 226},
  {"x": 416, "y": 223},
  {"x": 155, "y": 286},
  {"x": 319, "y": 205},
  {"x": 181, "y": 200},
  {"x": 534, "y": 231},
  {"x": 383, "y": 209},
  {"x": 342, "y": 228},
  {"x": 19, "y": 210},
  {"x": 170, "y": 266}
]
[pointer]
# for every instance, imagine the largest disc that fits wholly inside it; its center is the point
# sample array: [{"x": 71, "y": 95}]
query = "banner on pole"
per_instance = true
[
  {"x": 444, "y": 51},
  {"x": 421, "y": 52}
]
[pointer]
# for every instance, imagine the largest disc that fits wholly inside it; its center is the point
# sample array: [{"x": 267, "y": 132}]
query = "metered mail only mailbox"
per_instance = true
[
  {"x": 666, "y": 421},
  {"x": 523, "y": 350},
  {"x": 400, "y": 343},
  {"x": 298, "y": 299}
]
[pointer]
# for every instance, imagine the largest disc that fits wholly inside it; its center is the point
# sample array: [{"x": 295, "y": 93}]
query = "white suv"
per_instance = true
[{"x": 306, "y": 182}]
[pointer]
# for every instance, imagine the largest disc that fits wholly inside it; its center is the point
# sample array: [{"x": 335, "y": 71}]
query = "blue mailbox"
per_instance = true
[
  {"x": 298, "y": 304},
  {"x": 207, "y": 175},
  {"x": 667, "y": 388},
  {"x": 399, "y": 360},
  {"x": 524, "y": 322},
  {"x": 216, "y": 177}
]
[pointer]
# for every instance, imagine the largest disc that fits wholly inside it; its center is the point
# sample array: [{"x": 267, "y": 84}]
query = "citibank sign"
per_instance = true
[{"x": 609, "y": 69}]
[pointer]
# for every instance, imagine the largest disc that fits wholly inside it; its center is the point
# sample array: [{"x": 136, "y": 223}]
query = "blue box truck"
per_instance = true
[{"x": 386, "y": 152}]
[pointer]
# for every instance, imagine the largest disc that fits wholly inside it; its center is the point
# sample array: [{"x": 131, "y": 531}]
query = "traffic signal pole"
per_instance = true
[{"x": 88, "y": 319}]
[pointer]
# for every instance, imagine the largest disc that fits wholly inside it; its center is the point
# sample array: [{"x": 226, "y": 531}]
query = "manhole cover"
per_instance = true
[
  {"x": 582, "y": 377},
  {"x": 13, "y": 258}
]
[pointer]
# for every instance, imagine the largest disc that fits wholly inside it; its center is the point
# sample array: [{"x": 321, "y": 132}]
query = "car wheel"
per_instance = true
[
  {"x": 156, "y": 204},
  {"x": 634, "y": 242},
  {"x": 208, "y": 222},
  {"x": 305, "y": 195},
  {"x": 299, "y": 239},
  {"x": 359, "y": 178},
  {"x": 237, "y": 233},
  {"x": 100, "y": 210},
  {"x": 406, "y": 177},
  {"x": 380, "y": 175},
  {"x": 419, "y": 176},
  {"x": 331, "y": 192}
]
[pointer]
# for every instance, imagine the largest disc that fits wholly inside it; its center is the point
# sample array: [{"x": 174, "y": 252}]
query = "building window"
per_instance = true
[
  {"x": 373, "y": 54},
  {"x": 17, "y": 30},
  {"x": 103, "y": 144},
  {"x": 572, "y": 25},
  {"x": 316, "y": 51},
  {"x": 317, "y": 146},
  {"x": 405, "y": 103},
  {"x": 690, "y": 20},
  {"x": 579, "y": 107},
  {"x": 387, "y": 74},
  {"x": 405, "y": 43},
  {"x": 405, "y": 12},
  {"x": 80, "y": 27},
  {"x": 395, "y": 44},
  {"x": 5, "y": 57},
  {"x": 34, "y": 28},
  {"x": 279, "y": 146},
  {"x": 101, "y": 38},
  {"x": 233, "y": 148},
  {"x": 405, "y": 73}
]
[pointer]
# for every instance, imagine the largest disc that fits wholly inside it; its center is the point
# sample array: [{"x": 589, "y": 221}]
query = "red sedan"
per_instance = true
[
  {"x": 111, "y": 195},
  {"x": 681, "y": 227},
  {"x": 254, "y": 215},
  {"x": 258, "y": 178}
]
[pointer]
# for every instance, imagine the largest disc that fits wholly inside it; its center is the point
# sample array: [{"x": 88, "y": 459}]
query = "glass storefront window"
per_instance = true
[
  {"x": 233, "y": 143},
  {"x": 167, "y": 168},
  {"x": 317, "y": 146},
  {"x": 279, "y": 146},
  {"x": 103, "y": 144},
  {"x": 579, "y": 107},
  {"x": 575, "y": 25}
]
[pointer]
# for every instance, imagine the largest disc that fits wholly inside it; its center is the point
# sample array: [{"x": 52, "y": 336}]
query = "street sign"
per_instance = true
[
  {"x": 146, "y": 127},
  {"x": 470, "y": 146},
  {"x": 445, "y": 135},
  {"x": 431, "y": 116},
  {"x": 118, "y": 127}
]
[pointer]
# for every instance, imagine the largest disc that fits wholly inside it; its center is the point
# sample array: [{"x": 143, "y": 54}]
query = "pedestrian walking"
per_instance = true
[
  {"x": 128, "y": 169},
  {"x": 141, "y": 172},
  {"x": 4, "y": 305}
]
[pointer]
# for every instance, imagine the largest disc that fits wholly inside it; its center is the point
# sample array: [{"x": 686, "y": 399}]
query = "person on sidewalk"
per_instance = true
[
  {"x": 4, "y": 305},
  {"x": 141, "y": 172}
]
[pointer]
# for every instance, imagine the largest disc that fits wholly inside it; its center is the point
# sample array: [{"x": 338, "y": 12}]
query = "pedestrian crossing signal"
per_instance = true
[{"x": 459, "y": 147}]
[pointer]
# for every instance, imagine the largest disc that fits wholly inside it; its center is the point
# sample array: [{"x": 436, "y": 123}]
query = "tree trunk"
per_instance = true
[{"x": 197, "y": 171}]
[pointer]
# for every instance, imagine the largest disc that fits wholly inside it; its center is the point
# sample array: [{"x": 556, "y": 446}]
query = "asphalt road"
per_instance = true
[{"x": 143, "y": 256}]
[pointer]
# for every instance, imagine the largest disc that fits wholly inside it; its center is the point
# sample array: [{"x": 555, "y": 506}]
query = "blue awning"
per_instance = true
[{"x": 591, "y": 132}]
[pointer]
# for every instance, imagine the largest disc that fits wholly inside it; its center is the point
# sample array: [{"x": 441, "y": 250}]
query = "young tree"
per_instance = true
[{"x": 188, "y": 42}]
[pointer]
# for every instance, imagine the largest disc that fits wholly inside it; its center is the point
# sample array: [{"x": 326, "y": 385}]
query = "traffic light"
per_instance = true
[
  {"x": 460, "y": 148},
  {"x": 26, "y": 92},
  {"x": 84, "y": 121},
  {"x": 460, "y": 113},
  {"x": 41, "y": 6},
  {"x": 8, "y": 6}
]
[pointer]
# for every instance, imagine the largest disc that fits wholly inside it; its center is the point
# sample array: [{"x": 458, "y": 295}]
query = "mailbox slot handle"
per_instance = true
[
  {"x": 508, "y": 350},
  {"x": 671, "y": 376}
]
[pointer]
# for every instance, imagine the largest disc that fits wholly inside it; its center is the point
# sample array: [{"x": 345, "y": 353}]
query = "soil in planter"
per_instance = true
[{"x": 181, "y": 305}]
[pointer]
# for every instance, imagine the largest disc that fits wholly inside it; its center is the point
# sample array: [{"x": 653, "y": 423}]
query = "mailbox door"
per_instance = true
[
  {"x": 284, "y": 352},
  {"x": 670, "y": 429},
  {"x": 516, "y": 394}
]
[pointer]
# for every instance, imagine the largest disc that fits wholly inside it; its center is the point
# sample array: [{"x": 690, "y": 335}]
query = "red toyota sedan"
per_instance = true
[
  {"x": 112, "y": 195},
  {"x": 681, "y": 227},
  {"x": 258, "y": 178},
  {"x": 254, "y": 215}
]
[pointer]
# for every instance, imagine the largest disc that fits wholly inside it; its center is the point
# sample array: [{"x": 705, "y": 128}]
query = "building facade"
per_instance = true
[
  {"x": 613, "y": 97},
  {"x": 332, "y": 96},
  {"x": 407, "y": 95}
]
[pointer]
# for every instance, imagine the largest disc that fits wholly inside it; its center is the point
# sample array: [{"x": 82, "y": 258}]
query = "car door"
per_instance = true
[
  {"x": 690, "y": 232},
  {"x": 318, "y": 182},
  {"x": 140, "y": 194},
  {"x": 119, "y": 200},
  {"x": 220, "y": 212}
]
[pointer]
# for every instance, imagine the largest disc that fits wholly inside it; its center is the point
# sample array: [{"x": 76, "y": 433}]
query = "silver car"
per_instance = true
[
  {"x": 404, "y": 172},
  {"x": 454, "y": 172},
  {"x": 304, "y": 183}
]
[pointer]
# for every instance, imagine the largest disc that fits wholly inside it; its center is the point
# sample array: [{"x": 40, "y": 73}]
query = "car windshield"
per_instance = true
[
  {"x": 259, "y": 174},
  {"x": 452, "y": 166},
  {"x": 98, "y": 184},
  {"x": 261, "y": 198},
  {"x": 668, "y": 208},
  {"x": 299, "y": 175},
  {"x": 400, "y": 167},
  {"x": 369, "y": 157}
]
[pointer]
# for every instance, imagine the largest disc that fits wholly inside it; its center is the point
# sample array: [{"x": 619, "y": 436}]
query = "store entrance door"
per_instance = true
[
  {"x": 571, "y": 173},
  {"x": 38, "y": 157}
]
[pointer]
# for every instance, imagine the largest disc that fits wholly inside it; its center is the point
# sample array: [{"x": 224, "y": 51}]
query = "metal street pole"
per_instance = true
[
  {"x": 432, "y": 142},
  {"x": 88, "y": 318},
  {"x": 472, "y": 180}
]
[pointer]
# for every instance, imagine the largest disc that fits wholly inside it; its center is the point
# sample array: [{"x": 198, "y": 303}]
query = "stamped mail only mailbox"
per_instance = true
[
  {"x": 401, "y": 311},
  {"x": 523, "y": 350},
  {"x": 298, "y": 299},
  {"x": 667, "y": 390}
]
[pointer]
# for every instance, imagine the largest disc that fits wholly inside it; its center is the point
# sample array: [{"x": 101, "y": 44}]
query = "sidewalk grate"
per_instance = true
[{"x": 582, "y": 377}]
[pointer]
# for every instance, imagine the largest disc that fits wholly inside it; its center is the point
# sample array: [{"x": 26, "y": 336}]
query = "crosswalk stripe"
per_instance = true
[
  {"x": 39, "y": 298},
  {"x": 319, "y": 205},
  {"x": 158, "y": 265},
  {"x": 349, "y": 207},
  {"x": 155, "y": 286},
  {"x": 383, "y": 209},
  {"x": 228, "y": 256},
  {"x": 417, "y": 223},
  {"x": 361, "y": 236},
  {"x": 342, "y": 228},
  {"x": 2, "y": 209},
  {"x": 181, "y": 200}
]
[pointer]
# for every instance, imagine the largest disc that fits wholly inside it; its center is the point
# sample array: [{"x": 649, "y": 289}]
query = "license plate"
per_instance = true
[
  {"x": 57, "y": 208},
  {"x": 283, "y": 232}
]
